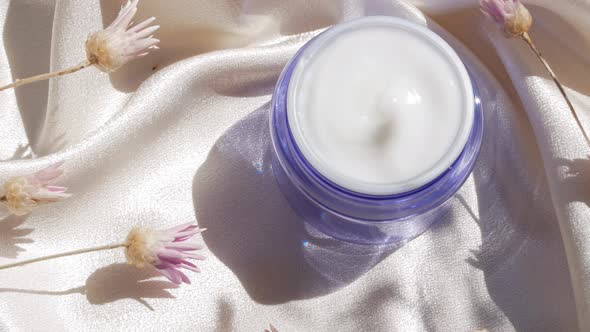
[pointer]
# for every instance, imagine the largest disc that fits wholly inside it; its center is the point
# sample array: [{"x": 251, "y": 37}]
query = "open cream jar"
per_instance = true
[{"x": 375, "y": 124}]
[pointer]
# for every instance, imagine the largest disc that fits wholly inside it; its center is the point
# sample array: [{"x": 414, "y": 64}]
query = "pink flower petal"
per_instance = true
[
  {"x": 170, "y": 253},
  {"x": 180, "y": 228},
  {"x": 190, "y": 266},
  {"x": 170, "y": 260},
  {"x": 125, "y": 14},
  {"x": 142, "y": 24},
  {"x": 147, "y": 31},
  {"x": 56, "y": 189},
  {"x": 499, "y": 10},
  {"x": 183, "y": 246},
  {"x": 188, "y": 233},
  {"x": 47, "y": 174},
  {"x": 195, "y": 256},
  {"x": 170, "y": 273},
  {"x": 184, "y": 277}
]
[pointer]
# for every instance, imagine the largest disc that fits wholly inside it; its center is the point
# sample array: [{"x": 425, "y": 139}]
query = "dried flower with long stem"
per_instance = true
[
  {"x": 111, "y": 48},
  {"x": 516, "y": 22},
  {"x": 21, "y": 194},
  {"x": 165, "y": 250}
]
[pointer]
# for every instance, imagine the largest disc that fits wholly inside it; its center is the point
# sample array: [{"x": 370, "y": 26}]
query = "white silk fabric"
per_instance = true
[{"x": 182, "y": 135}]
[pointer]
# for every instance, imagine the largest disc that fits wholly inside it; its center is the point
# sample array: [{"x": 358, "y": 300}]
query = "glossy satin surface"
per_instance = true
[{"x": 182, "y": 135}]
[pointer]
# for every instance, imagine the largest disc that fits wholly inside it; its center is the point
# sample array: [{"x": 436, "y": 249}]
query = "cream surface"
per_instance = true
[{"x": 380, "y": 106}]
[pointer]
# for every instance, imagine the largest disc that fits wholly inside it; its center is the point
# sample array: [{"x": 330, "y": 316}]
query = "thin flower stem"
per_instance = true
[
  {"x": 525, "y": 36},
  {"x": 70, "y": 253},
  {"x": 47, "y": 76}
]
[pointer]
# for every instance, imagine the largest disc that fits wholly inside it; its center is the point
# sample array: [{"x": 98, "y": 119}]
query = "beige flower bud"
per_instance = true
[
  {"x": 511, "y": 15},
  {"x": 139, "y": 245},
  {"x": 119, "y": 43},
  {"x": 518, "y": 23}
]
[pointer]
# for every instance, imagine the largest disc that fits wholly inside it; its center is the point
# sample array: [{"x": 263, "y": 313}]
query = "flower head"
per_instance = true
[
  {"x": 512, "y": 15},
  {"x": 119, "y": 43},
  {"x": 166, "y": 250},
  {"x": 21, "y": 194}
]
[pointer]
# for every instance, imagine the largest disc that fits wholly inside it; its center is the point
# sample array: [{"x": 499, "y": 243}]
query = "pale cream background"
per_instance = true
[{"x": 182, "y": 134}]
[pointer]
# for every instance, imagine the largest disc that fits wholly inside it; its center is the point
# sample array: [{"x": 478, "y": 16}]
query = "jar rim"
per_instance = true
[{"x": 382, "y": 189}]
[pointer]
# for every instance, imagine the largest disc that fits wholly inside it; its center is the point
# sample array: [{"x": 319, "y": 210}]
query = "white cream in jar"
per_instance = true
[{"x": 379, "y": 106}]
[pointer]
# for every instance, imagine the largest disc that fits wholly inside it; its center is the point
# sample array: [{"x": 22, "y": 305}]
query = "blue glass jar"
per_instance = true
[{"x": 356, "y": 217}]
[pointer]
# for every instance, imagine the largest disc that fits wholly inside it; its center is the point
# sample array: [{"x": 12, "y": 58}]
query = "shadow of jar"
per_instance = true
[{"x": 275, "y": 254}]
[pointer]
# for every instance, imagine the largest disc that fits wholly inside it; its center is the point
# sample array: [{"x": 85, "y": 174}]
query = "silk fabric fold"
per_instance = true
[{"x": 182, "y": 134}]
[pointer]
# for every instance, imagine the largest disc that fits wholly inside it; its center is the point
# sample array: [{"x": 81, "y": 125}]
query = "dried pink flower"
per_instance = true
[
  {"x": 21, "y": 194},
  {"x": 516, "y": 21},
  {"x": 111, "y": 48},
  {"x": 512, "y": 15},
  {"x": 166, "y": 250}
]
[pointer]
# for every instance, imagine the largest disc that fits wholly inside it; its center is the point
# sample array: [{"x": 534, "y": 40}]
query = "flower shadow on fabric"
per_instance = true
[
  {"x": 252, "y": 229},
  {"x": 577, "y": 181},
  {"x": 12, "y": 236},
  {"x": 112, "y": 283},
  {"x": 521, "y": 250},
  {"x": 23, "y": 151},
  {"x": 379, "y": 298},
  {"x": 225, "y": 316}
]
